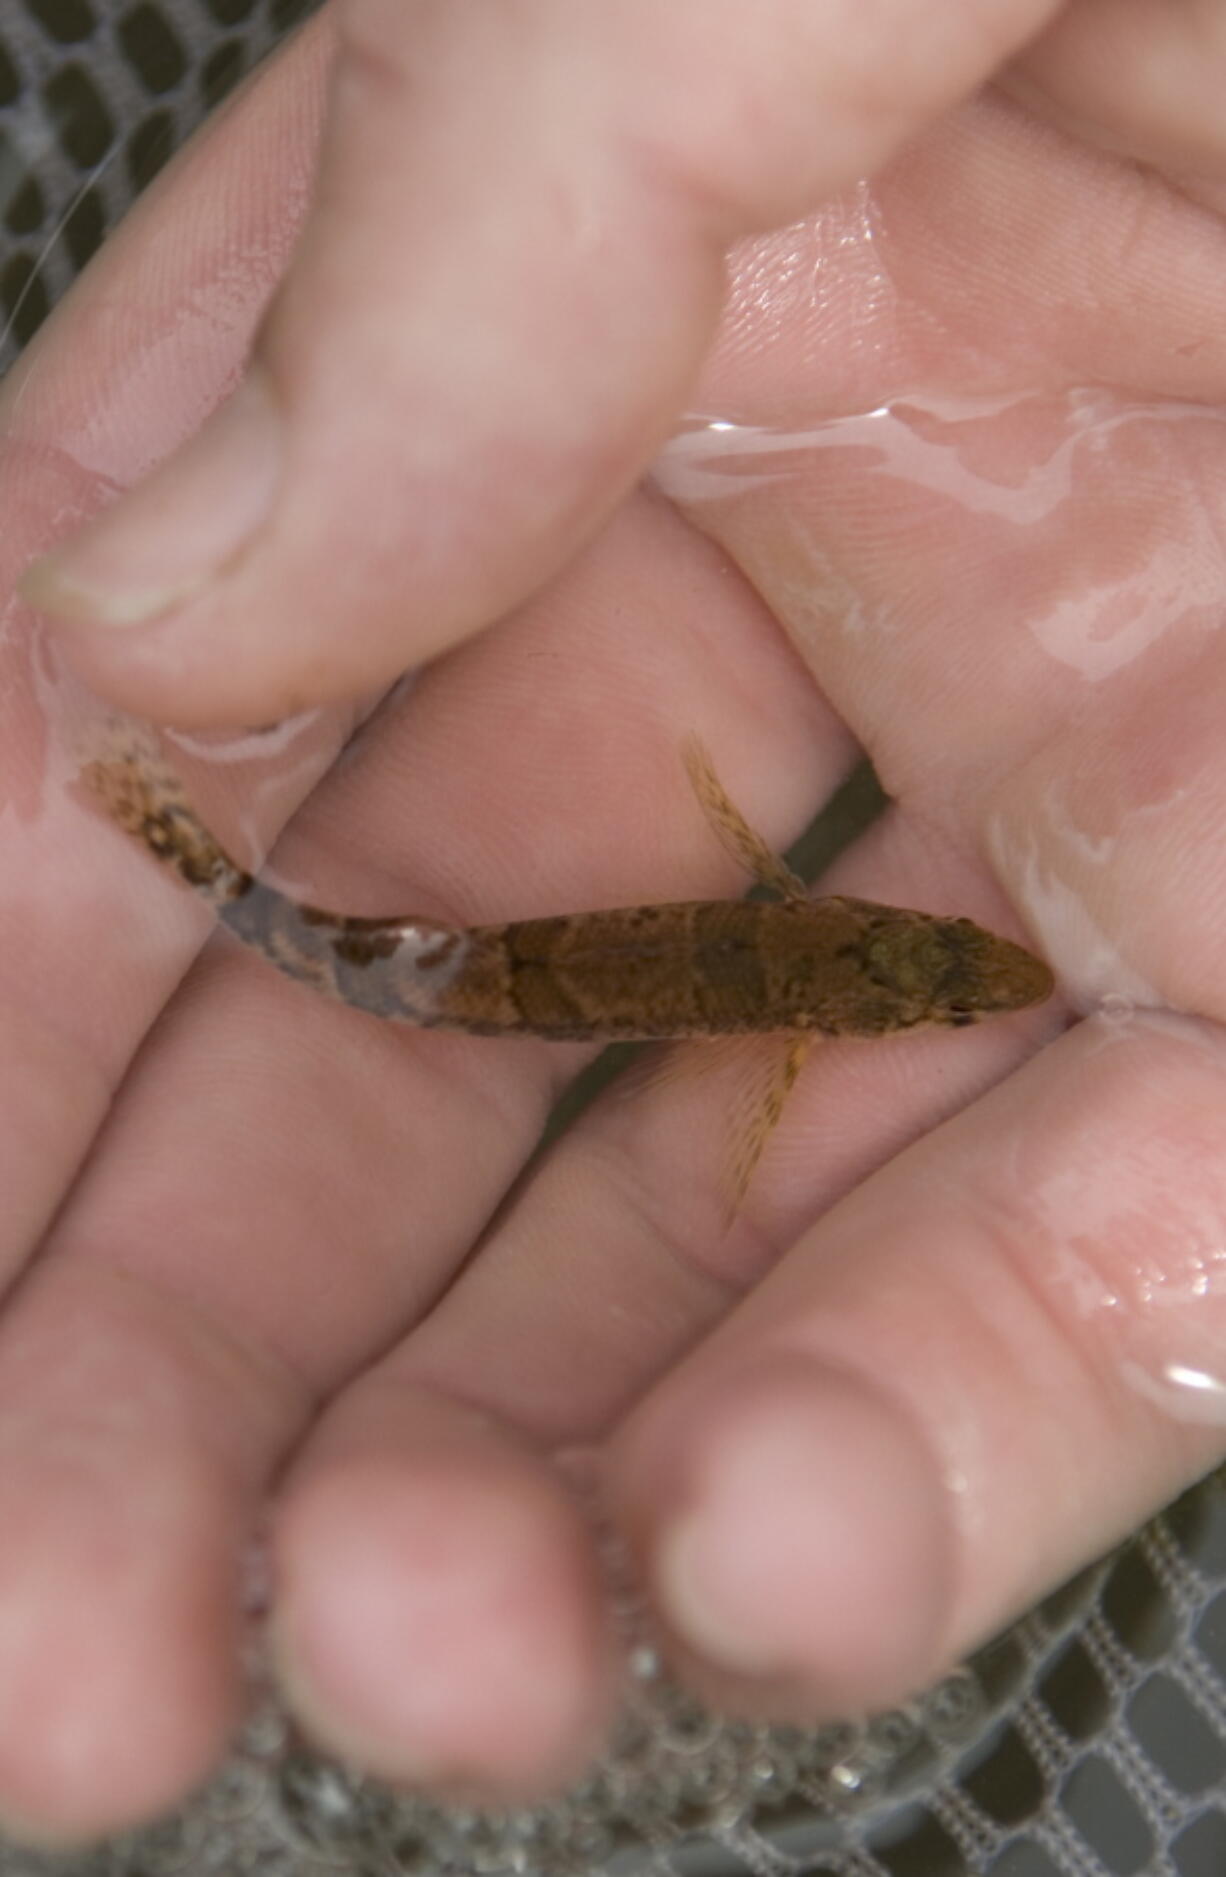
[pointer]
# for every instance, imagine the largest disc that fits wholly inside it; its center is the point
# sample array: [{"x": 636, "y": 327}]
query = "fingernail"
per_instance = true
[{"x": 166, "y": 539}]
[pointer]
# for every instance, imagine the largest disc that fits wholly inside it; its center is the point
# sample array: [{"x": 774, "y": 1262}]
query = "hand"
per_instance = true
[{"x": 847, "y": 1439}]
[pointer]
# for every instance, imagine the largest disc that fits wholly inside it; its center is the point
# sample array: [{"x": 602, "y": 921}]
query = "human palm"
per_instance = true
[{"x": 276, "y": 1266}]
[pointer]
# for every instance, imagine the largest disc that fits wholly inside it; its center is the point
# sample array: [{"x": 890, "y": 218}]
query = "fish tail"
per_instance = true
[{"x": 137, "y": 787}]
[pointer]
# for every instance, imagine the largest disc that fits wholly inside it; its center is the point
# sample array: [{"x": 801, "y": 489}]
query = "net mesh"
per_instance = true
[
  {"x": 1088, "y": 1741},
  {"x": 94, "y": 96}
]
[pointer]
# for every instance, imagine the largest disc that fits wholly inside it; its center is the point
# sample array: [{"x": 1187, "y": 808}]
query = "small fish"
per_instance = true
[{"x": 795, "y": 966}]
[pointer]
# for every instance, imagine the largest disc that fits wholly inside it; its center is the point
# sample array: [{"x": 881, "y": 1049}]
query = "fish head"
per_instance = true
[{"x": 953, "y": 972}]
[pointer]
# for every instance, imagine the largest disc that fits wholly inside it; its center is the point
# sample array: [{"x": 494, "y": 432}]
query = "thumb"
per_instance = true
[{"x": 509, "y": 274}]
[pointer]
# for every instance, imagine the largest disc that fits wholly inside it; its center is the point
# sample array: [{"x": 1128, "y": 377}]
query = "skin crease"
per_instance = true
[{"x": 839, "y": 1409}]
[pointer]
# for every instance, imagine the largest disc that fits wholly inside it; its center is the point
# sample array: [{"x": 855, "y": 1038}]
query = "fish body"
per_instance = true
[
  {"x": 696, "y": 968},
  {"x": 835, "y": 967},
  {"x": 797, "y": 967}
]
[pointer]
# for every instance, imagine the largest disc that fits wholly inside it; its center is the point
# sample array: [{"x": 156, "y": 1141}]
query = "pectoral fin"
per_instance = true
[
  {"x": 732, "y": 830},
  {"x": 759, "y": 1106}
]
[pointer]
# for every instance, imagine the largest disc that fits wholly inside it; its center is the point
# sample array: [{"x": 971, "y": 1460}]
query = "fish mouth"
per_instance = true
[
  {"x": 989, "y": 976},
  {"x": 1015, "y": 978}
]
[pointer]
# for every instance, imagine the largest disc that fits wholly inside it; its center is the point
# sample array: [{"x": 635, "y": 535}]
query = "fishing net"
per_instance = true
[{"x": 1089, "y": 1741}]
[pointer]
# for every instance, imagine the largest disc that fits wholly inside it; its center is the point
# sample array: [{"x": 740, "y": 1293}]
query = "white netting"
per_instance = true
[{"x": 1090, "y": 1741}]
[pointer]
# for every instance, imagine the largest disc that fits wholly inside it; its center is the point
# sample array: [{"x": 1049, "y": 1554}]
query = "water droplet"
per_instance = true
[{"x": 1185, "y": 1392}]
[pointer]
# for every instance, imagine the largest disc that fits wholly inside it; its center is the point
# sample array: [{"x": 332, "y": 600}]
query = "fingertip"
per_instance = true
[
  {"x": 119, "y": 1680},
  {"x": 443, "y": 1632},
  {"x": 168, "y": 537},
  {"x": 796, "y": 1538}
]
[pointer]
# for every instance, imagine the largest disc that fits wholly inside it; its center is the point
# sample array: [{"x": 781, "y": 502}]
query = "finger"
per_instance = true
[
  {"x": 1137, "y": 77},
  {"x": 89, "y": 956},
  {"x": 922, "y": 1332},
  {"x": 513, "y": 264},
  {"x": 930, "y": 1329},
  {"x": 470, "y": 1652},
  {"x": 1063, "y": 272},
  {"x": 86, "y": 959},
  {"x": 133, "y": 1433}
]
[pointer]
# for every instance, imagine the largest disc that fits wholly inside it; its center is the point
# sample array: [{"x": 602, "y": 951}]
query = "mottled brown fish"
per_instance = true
[{"x": 797, "y": 966}]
